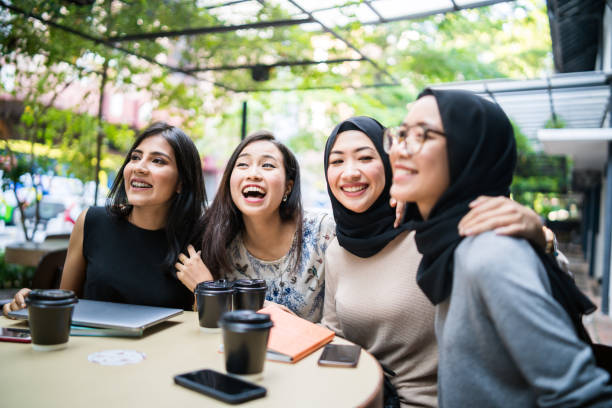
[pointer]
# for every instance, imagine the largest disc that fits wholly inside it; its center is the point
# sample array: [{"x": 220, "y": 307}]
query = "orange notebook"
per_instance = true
[{"x": 293, "y": 338}]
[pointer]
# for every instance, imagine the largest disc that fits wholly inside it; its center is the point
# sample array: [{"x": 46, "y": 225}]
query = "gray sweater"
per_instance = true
[{"x": 504, "y": 341}]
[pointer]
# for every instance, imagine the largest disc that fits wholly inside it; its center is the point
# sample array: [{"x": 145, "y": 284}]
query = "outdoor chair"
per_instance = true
[{"x": 49, "y": 270}]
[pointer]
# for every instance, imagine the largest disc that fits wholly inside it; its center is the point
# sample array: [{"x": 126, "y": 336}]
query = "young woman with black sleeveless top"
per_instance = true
[{"x": 125, "y": 252}]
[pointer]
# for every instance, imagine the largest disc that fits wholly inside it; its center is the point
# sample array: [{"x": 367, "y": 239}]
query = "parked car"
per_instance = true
[
  {"x": 8, "y": 206},
  {"x": 47, "y": 209}
]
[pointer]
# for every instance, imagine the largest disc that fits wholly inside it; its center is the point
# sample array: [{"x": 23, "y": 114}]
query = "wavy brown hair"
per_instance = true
[
  {"x": 223, "y": 220},
  {"x": 184, "y": 224}
]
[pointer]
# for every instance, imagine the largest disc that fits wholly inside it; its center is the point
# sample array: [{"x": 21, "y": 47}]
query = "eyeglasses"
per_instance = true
[{"x": 414, "y": 136}]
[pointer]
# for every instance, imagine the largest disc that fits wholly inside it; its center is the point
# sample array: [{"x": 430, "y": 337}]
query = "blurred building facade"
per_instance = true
[{"x": 581, "y": 31}]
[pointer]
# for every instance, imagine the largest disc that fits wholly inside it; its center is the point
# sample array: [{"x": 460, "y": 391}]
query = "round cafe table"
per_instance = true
[{"x": 66, "y": 378}]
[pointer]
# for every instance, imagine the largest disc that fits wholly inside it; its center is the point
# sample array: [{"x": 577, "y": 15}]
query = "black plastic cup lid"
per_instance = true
[
  {"x": 250, "y": 284},
  {"x": 51, "y": 297},
  {"x": 245, "y": 320},
  {"x": 220, "y": 285}
]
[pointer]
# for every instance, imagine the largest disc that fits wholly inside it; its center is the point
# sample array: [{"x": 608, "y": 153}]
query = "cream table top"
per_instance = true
[{"x": 65, "y": 378}]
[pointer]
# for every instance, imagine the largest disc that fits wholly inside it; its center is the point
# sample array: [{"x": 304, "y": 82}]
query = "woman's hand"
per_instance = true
[
  {"x": 17, "y": 303},
  {"x": 505, "y": 217},
  {"x": 400, "y": 209},
  {"x": 191, "y": 270}
]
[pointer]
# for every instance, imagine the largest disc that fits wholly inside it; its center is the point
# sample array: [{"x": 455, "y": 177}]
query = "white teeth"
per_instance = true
[
  {"x": 409, "y": 171},
  {"x": 354, "y": 189},
  {"x": 138, "y": 184},
  {"x": 253, "y": 189}
]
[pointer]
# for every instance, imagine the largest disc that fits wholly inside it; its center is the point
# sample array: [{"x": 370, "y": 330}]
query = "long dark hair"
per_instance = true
[
  {"x": 184, "y": 224},
  {"x": 223, "y": 220}
]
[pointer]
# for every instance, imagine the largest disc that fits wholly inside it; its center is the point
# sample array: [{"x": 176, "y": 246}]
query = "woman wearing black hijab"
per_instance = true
[
  {"x": 506, "y": 315},
  {"x": 371, "y": 294}
]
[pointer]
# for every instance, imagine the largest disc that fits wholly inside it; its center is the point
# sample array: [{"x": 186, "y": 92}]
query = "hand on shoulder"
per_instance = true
[
  {"x": 505, "y": 217},
  {"x": 400, "y": 210}
]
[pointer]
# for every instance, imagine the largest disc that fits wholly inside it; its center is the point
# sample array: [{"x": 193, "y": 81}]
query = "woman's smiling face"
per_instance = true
[
  {"x": 258, "y": 183},
  {"x": 151, "y": 176},
  {"x": 355, "y": 173},
  {"x": 421, "y": 178}
]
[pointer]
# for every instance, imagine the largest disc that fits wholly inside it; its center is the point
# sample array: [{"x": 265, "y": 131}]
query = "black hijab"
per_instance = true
[
  {"x": 482, "y": 156},
  {"x": 364, "y": 234}
]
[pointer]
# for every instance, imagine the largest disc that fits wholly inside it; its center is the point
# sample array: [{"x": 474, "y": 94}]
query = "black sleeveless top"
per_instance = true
[{"x": 125, "y": 264}]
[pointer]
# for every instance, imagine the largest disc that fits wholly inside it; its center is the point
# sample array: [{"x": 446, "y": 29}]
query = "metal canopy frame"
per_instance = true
[
  {"x": 304, "y": 16},
  {"x": 209, "y": 30},
  {"x": 581, "y": 99}
]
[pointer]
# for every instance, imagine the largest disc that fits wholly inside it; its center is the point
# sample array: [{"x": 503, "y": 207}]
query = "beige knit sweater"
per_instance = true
[{"x": 375, "y": 302}]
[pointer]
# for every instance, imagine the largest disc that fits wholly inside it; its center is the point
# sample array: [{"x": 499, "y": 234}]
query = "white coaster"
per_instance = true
[{"x": 116, "y": 357}]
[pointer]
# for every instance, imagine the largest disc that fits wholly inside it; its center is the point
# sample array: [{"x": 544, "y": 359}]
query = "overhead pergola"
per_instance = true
[
  {"x": 588, "y": 147},
  {"x": 345, "y": 62},
  {"x": 574, "y": 100},
  {"x": 234, "y": 45}
]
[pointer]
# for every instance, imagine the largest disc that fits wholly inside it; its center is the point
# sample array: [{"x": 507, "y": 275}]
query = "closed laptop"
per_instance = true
[{"x": 132, "y": 319}]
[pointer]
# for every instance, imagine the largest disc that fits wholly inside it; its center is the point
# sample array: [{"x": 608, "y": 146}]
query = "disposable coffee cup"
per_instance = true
[
  {"x": 249, "y": 294},
  {"x": 245, "y": 340},
  {"x": 213, "y": 299},
  {"x": 49, "y": 316}
]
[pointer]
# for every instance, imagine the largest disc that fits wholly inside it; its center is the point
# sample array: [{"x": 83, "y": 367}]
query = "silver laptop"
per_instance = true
[{"x": 131, "y": 320}]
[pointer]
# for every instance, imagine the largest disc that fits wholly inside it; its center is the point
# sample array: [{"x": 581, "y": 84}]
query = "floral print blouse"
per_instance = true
[{"x": 301, "y": 290}]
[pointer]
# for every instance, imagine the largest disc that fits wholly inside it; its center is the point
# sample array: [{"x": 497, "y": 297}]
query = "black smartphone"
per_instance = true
[
  {"x": 15, "y": 334},
  {"x": 220, "y": 386},
  {"x": 340, "y": 355}
]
